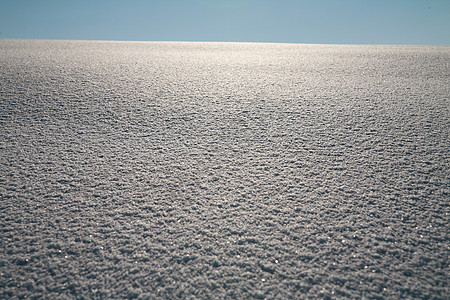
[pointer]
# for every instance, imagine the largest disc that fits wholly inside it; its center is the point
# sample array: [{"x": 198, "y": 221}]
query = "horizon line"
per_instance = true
[{"x": 224, "y": 42}]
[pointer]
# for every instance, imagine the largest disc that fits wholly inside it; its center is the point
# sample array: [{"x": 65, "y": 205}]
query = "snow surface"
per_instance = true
[{"x": 221, "y": 170}]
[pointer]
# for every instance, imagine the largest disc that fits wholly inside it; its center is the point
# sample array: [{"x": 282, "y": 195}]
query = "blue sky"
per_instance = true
[{"x": 294, "y": 21}]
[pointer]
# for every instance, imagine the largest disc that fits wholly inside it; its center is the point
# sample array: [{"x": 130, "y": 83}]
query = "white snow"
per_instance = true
[{"x": 211, "y": 170}]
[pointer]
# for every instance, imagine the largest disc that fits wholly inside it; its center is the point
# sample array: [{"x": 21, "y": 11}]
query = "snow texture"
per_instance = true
[{"x": 223, "y": 170}]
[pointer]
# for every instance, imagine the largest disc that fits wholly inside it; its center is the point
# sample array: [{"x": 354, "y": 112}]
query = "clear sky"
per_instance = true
[{"x": 294, "y": 21}]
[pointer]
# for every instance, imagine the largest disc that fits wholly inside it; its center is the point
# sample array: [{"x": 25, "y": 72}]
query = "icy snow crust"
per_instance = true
[{"x": 221, "y": 170}]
